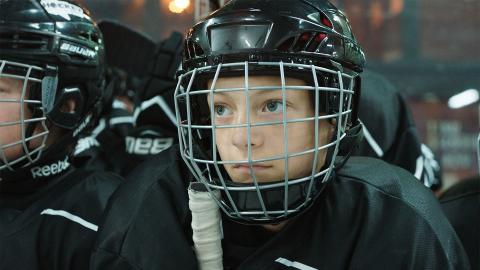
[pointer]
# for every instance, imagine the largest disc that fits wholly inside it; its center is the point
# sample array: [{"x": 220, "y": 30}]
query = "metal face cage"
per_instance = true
[
  {"x": 30, "y": 114},
  {"x": 260, "y": 201}
]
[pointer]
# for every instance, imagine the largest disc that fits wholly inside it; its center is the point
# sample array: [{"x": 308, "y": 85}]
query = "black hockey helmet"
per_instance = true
[
  {"x": 309, "y": 31},
  {"x": 56, "y": 49},
  {"x": 306, "y": 39}
]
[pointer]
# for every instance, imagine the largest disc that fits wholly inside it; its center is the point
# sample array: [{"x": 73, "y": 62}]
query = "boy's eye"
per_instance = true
[
  {"x": 273, "y": 106},
  {"x": 221, "y": 110},
  {"x": 5, "y": 91}
]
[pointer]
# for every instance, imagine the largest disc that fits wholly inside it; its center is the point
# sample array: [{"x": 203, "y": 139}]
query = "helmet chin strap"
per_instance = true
[{"x": 353, "y": 137}]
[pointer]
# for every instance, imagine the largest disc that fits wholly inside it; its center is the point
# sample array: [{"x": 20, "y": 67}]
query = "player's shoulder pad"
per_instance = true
[
  {"x": 97, "y": 175},
  {"x": 95, "y": 183},
  {"x": 381, "y": 182},
  {"x": 466, "y": 188},
  {"x": 392, "y": 193},
  {"x": 158, "y": 178},
  {"x": 153, "y": 191},
  {"x": 388, "y": 179},
  {"x": 157, "y": 165}
]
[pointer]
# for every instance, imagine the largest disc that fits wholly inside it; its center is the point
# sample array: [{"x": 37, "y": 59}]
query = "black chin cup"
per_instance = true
[{"x": 273, "y": 200}]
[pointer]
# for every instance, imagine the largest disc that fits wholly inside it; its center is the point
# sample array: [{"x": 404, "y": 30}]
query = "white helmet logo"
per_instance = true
[
  {"x": 83, "y": 51},
  {"x": 63, "y": 9}
]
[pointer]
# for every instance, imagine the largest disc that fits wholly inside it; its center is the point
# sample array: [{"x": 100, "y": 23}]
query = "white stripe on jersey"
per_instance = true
[
  {"x": 371, "y": 141},
  {"x": 71, "y": 217},
  {"x": 419, "y": 168},
  {"x": 294, "y": 264},
  {"x": 121, "y": 120},
  {"x": 157, "y": 100}
]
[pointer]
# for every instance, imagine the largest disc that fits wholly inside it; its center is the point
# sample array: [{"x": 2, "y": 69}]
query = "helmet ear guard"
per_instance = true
[
  {"x": 67, "y": 119},
  {"x": 353, "y": 137},
  {"x": 353, "y": 129},
  {"x": 354, "y": 134},
  {"x": 331, "y": 103},
  {"x": 54, "y": 99}
]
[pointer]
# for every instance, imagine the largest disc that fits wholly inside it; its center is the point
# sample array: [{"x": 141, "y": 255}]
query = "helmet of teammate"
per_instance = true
[
  {"x": 310, "y": 40},
  {"x": 56, "y": 51}
]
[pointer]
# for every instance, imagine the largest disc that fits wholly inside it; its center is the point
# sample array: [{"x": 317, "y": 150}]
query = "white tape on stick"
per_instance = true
[{"x": 206, "y": 228}]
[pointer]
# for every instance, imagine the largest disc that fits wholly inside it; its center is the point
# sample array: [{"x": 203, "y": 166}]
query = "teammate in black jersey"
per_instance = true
[
  {"x": 461, "y": 204},
  {"x": 141, "y": 122},
  {"x": 52, "y": 90},
  {"x": 267, "y": 113},
  {"x": 390, "y": 133}
]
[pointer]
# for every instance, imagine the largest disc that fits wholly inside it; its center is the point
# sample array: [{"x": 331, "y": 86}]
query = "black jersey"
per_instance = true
[
  {"x": 147, "y": 223},
  {"x": 144, "y": 71},
  {"x": 390, "y": 132},
  {"x": 52, "y": 225},
  {"x": 118, "y": 144},
  {"x": 371, "y": 216},
  {"x": 461, "y": 204}
]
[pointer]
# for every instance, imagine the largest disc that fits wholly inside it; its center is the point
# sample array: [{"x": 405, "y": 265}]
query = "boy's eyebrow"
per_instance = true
[{"x": 252, "y": 92}]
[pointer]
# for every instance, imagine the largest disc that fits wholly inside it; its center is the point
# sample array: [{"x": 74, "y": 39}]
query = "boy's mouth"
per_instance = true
[{"x": 245, "y": 168}]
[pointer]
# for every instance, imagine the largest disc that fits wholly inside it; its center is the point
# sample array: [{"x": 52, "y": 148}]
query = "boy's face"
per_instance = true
[
  {"x": 268, "y": 140},
  {"x": 10, "y": 117}
]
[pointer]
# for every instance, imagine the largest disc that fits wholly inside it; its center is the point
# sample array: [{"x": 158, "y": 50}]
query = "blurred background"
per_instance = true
[{"x": 429, "y": 49}]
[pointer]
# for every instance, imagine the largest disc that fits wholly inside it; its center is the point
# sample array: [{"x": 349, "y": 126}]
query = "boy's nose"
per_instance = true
[{"x": 242, "y": 136}]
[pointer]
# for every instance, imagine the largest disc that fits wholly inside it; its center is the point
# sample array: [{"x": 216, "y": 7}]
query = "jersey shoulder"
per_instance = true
[
  {"x": 387, "y": 196},
  {"x": 386, "y": 178},
  {"x": 155, "y": 228},
  {"x": 60, "y": 226},
  {"x": 91, "y": 192},
  {"x": 389, "y": 188}
]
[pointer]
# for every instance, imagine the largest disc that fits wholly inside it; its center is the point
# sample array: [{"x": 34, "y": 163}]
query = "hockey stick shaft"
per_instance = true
[{"x": 206, "y": 227}]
